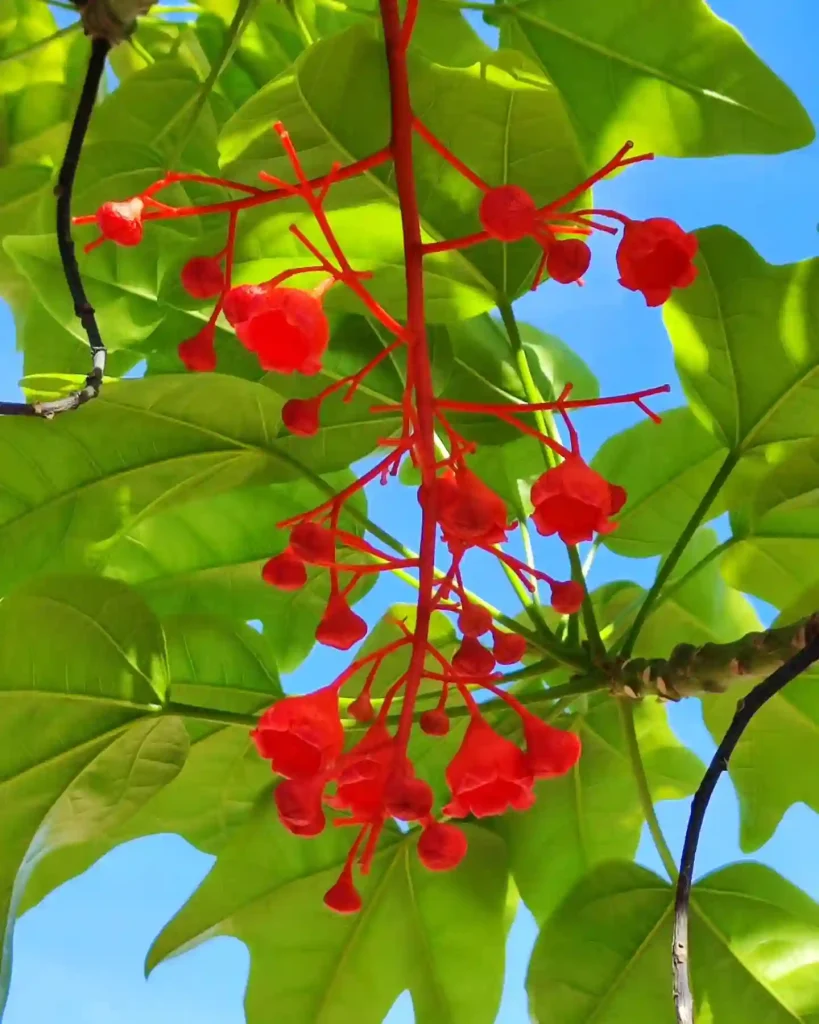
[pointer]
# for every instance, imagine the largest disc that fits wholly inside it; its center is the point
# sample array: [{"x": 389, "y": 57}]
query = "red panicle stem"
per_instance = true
[
  {"x": 442, "y": 151},
  {"x": 556, "y": 406}
]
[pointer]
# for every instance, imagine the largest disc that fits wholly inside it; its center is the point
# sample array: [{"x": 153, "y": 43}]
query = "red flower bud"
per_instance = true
[
  {"x": 301, "y": 416},
  {"x": 343, "y": 897},
  {"x": 473, "y": 659},
  {"x": 474, "y": 620},
  {"x": 290, "y": 334},
  {"x": 568, "y": 260},
  {"x": 508, "y": 648},
  {"x": 313, "y": 544},
  {"x": 340, "y": 627},
  {"x": 121, "y": 222},
  {"x": 575, "y": 502},
  {"x": 245, "y": 301},
  {"x": 549, "y": 751},
  {"x": 298, "y": 802},
  {"x": 202, "y": 277},
  {"x": 508, "y": 213},
  {"x": 441, "y": 847},
  {"x": 199, "y": 352},
  {"x": 488, "y": 775},
  {"x": 285, "y": 571},
  {"x": 301, "y": 736},
  {"x": 567, "y": 598},
  {"x": 434, "y": 722},
  {"x": 655, "y": 256},
  {"x": 361, "y": 708}
]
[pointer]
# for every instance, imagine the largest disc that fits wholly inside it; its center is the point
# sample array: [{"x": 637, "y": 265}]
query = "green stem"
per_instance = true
[
  {"x": 676, "y": 552},
  {"x": 643, "y": 790}
]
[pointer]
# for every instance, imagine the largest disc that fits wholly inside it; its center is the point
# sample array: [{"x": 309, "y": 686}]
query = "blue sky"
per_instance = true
[{"x": 79, "y": 955}]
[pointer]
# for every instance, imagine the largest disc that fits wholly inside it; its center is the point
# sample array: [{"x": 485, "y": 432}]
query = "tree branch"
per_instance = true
[
  {"x": 82, "y": 307},
  {"x": 746, "y": 709}
]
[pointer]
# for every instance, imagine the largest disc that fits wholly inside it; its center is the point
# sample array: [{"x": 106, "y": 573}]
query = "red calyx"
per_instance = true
[
  {"x": 312, "y": 544},
  {"x": 474, "y": 620},
  {"x": 434, "y": 722},
  {"x": 575, "y": 502},
  {"x": 289, "y": 334},
  {"x": 202, "y": 277},
  {"x": 567, "y": 598},
  {"x": 245, "y": 301},
  {"x": 469, "y": 512},
  {"x": 301, "y": 416},
  {"x": 549, "y": 751},
  {"x": 301, "y": 736},
  {"x": 568, "y": 260},
  {"x": 298, "y": 802},
  {"x": 199, "y": 352},
  {"x": 508, "y": 648},
  {"x": 488, "y": 775},
  {"x": 441, "y": 847},
  {"x": 340, "y": 627},
  {"x": 473, "y": 659},
  {"x": 656, "y": 256},
  {"x": 121, "y": 222},
  {"x": 285, "y": 571},
  {"x": 508, "y": 213}
]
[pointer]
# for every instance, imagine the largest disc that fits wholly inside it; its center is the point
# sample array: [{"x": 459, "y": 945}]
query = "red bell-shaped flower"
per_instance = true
[
  {"x": 575, "y": 502},
  {"x": 313, "y": 544},
  {"x": 473, "y": 659},
  {"x": 441, "y": 847},
  {"x": 301, "y": 736},
  {"x": 469, "y": 512},
  {"x": 340, "y": 627},
  {"x": 362, "y": 775},
  {"x": 407, "y": 797},
  {"x": 567, "y": 260},
  {"x": 549, "y": 751},
  {"x": 488, "y": 775},
  {"x": 474, "y": 620},
  {"x": 290, "y": 334},
  {"x": 654, "y": 257},
  {"x": 202, "y": 277},
  {"x": 298, "y": 802},
  {"x": 285, "y": 571}
]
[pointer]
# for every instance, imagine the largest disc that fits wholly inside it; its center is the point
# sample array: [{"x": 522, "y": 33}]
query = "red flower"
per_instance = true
[
  {"x": 472, "y": 658},
  {"x": 508, "y": 648},
  {"x": 549, "y": 751},
  {"x": 468, "y": 511},
  {"x": 441, "y": 847},
  {"x": 199, "y": 352},
  {"x": 301, "y": 416},
  {"x": 285, "y": 571},
  {"x": 567, "y": 598},
  {"x": 121, "y": 222},
  {"x": 298, "y": 802},
  {"x": 508, "y": 213},
  {"x": 575, "y": 502},
  {"x": 301, "y": 736},
  {"x": 313, "y": 544},
  {"x": 202, "y": 277},
  {"x": 568, "y": 260},
  {"x": 289, "y": 334},
  {"x": 245, "y": 301},
  {"x": 488, "y": 775},
  {"x": 407, "y": 797},
  {"x": 474, "y": 620},
  {"x": 362, "y": 775},
  {"x": 655, "y": 256},
  {"x": 340, "y": 627},
  {"x": 434, "y": 722}
]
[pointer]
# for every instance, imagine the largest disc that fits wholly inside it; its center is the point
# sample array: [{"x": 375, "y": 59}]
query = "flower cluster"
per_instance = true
[{"x": 373, "y": 780}]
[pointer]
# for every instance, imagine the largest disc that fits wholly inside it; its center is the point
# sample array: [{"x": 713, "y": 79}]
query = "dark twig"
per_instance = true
[
  {"x": 746, "y": 709},
  {"x": 82, "y": 307}
]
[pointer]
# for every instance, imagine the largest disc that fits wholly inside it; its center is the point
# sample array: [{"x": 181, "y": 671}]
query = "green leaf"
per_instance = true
[
  {"x": 776, "y": 763},
  {"x": 440, "y": 935},
  {"x": 214, "y": 664},
  {"x": 74, "y": 487},
  {"x": 593, "y": 814},
  {"x": 22, "y": 192},
  {"x": 777, "y": 554},
  {"x": 606, "y": 953},
  {"x": 676, "y": 79},
  {"x": 75, "y": 652},
  {"x": 746, "y": 342},
  {"x": 207, "y": 556},
  {"x": 493, "y": 115}
]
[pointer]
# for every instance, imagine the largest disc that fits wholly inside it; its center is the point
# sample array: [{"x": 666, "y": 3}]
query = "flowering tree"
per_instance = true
[{"x": 290, "y": 214}]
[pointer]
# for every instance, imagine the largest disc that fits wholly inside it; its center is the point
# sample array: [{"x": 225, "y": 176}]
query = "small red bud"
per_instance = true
[
  {"x": 361, "y": 708},
  {"x": 474, "y": 620},
  {"x": 472, "y": 658},
  {"x": 285, "y": 571},
  {"x": 340, "y": 627},
  {"x": 343, "y": 897},
  {"x": 508, "y": 648},
  {"x": 202, "y": 277},
  {"x": 442, "y": 847},
  {"x": 508, "y": 213},
  {"x": 434, "y": 722},
  {"x": 567, "y": 598},
  {"x": 301, "y": 416},
  {"x": 121, "y": 222},
  {"x": 312, "y": 544},
  {"x": 568, "y": 260},
  {"x": 199, "y": 353}
]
